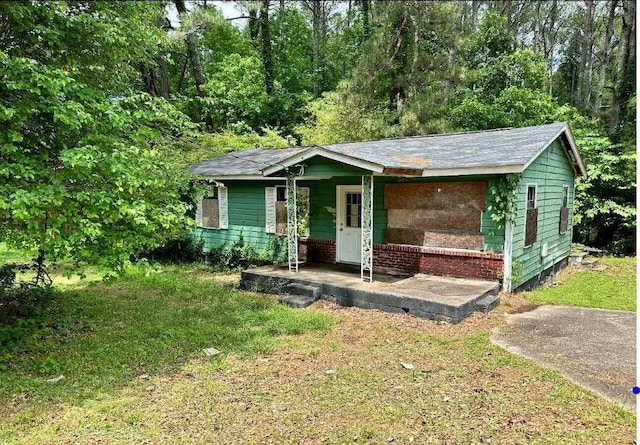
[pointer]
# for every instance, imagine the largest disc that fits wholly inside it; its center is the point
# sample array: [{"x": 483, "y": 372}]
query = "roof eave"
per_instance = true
[
  {"x": 467, "y": 171},
  {"x": 572, "y": 146},
  {"x": 256, "y": 177},
  {"x": 325, "y": 153}
]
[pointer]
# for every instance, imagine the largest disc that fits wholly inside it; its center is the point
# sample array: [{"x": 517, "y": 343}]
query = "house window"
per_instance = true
[
  {"x": 281, "y": 210},
  {"x": 276, "y": 209},
  {"x": 564, "y": 210},
  {"x": 531, "y": 225},
  {"x": 211, "y": 212}
]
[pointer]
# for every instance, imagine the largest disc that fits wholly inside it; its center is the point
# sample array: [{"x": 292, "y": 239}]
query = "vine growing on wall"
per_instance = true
[{"x": 503, "y": 192}]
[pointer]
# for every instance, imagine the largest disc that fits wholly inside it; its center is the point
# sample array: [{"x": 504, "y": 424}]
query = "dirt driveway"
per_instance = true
[{"x": 594, "y": 347}]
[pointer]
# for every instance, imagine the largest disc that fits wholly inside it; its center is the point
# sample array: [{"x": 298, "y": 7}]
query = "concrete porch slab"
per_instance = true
[{"x": 428, "y": 296}]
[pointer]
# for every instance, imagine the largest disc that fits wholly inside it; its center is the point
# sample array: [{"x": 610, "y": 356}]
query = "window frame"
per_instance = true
[
  {"x": 214, "y": 193},
  {"x": 526, "y": 210},
  {"x": 566, "y": 190}
]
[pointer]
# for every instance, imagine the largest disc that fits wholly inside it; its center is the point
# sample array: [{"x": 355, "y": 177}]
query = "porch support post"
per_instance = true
[
  {"x": 292, "y": 223},
  {"x": 507, "y": 255},
  {"x": 366, "y": 262}
]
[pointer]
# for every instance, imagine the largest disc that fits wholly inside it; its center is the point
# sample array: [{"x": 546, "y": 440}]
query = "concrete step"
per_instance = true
[
  {"x": 303, "y": 290},
  {"x": 298, "y": 301},
  {"x": 488, "y": 303},
  {"x": 589, "y": 262}
]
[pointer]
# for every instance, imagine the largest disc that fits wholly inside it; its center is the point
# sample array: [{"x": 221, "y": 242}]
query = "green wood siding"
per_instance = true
[
  {"x": 324, "y": 167},
  {"x": 550, "y": 171},
  {"x": 246, "y": 204},
  {"x": 322, "y": 217}
]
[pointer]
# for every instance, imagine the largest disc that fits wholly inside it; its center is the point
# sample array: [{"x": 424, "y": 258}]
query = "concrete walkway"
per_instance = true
[{"x": 593, "y": 347}]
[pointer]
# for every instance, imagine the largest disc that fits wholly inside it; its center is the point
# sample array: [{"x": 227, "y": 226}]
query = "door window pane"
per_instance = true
[{"x": 354, "y": 210}]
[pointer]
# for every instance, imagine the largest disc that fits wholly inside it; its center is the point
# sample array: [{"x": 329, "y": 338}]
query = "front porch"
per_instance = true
[{"x": 427, "y": 296}]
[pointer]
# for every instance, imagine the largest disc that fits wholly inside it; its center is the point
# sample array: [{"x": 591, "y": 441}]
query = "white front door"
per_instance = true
[{"x": 348, "y": 223}]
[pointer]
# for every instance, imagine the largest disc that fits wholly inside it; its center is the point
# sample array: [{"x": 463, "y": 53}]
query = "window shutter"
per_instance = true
[
  {"x": 270, "y": 209},
  {"x": 199, "y": 211},
  {"x": 223, "y": 212}
]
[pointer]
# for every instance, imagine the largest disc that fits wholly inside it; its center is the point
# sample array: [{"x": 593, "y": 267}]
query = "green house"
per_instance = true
[{"x": 425, "y": 204}]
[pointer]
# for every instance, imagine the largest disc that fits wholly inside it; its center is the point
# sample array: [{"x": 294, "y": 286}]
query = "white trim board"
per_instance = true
[{"x": 323, "y": 152}]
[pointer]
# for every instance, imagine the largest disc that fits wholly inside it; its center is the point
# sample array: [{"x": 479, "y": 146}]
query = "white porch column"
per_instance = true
[
  {"x": 366, "y": 261},
  {"x": 507, "y": 255},
  {"x": 292, "y": 223}
]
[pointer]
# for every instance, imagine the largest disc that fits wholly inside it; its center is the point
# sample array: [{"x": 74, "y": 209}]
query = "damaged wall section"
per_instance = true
[{"x": 435, "y": 214}]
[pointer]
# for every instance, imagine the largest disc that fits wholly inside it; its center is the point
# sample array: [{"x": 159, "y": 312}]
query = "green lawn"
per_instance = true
[
  {"x": 614, "y": 288},
  {"x": 130, "y": 352},
  {"x": 102, "y": 335}
]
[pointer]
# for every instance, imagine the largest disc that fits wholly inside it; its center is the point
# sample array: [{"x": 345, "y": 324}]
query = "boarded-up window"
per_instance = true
[
  {"x": 212, "y": 209},
  {"x": 435, "y": 214},
  {"x": 210, "y": 213},
  {"x": 276, "y": 209},
  {"x": 281, "y": 210},
  {"x": 564, "y": 210},
  {"x": 531, "y": 225}
]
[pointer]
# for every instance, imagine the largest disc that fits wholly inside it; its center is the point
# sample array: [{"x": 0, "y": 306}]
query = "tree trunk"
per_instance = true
[
  {"x": 164, "y": 76},
  {"x": 193, "y": 55},
  {"x": 626, "y": 71},
  {"x": 254, "y": 25},
  {"x": 606, "y": 58},
  {"x": 366, "y": 28},
  {"x": 584, "y": 69},
  {"x": 267, "y": 53}
]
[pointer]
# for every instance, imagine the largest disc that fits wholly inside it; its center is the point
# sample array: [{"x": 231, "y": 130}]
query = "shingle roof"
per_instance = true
[
  {"x": 487, "y": 148},
  {"x": 497, "y": 151},
  {"x": 244, "y": 162}
]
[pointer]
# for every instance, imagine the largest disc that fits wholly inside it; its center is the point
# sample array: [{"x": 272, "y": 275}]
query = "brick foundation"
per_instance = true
[
  {"x": 417, "y": 259},
  {"x": 319, "y": 250}
]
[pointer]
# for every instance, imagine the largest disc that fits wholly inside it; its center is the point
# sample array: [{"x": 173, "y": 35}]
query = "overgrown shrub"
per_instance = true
[
  {"x": 22, "y": 300},
  {"x": 241, "y": 255}
]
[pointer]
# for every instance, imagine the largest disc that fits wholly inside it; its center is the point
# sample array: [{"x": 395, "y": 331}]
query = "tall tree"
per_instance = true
[
  {"x": 88, "y": 164},
  {"x": 625, "y": 75},
  {"x": 583, "y": 91},
  {"x": 267, "y": 50}
]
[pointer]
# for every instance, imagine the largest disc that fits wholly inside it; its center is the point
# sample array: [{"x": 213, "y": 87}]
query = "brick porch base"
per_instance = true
[{"x": 417, "y": 259}]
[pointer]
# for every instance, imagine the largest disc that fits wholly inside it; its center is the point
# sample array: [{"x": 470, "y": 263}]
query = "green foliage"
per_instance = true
[
  {"x": 492, "y": 39},
  {"x": 335, "y": 118},
  {"x": 604, "y": 207},
  {"x": 101, "y": 44},
  {"x": 83, "y": 174},
  {"x": 274, "y": 249},
  {"x": 523, "y": 69},
  {"x": 235, "y": 94},
  {"x": 210, "y": 145},
  {"x": 503, "y": 195},
  {"x": 509, "y": 91}
]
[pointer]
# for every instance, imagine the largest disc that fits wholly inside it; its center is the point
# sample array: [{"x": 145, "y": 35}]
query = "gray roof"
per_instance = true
[
  {"x": 244, "y": 162},
  {"x": 493, "y": 151}
]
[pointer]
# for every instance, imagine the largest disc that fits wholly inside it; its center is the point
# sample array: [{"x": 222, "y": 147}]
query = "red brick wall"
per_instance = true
[
  {"x": 456, "y": 264},
  {"x": 319, "y": 250},
  {"x": 416, "y": 259}
]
